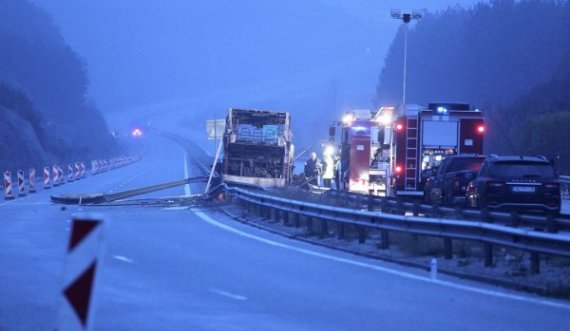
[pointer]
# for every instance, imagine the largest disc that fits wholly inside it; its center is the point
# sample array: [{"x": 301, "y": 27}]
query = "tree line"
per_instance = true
[{"x": 509, "y": 58}]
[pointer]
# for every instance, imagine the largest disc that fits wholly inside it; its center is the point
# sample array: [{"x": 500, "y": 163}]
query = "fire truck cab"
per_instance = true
[
  {"x": 423, "y": 137},
  {"x": 363, "y": 147}
]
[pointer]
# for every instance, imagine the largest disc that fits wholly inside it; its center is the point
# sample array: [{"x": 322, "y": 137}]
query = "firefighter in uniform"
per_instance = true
[
  {"x": 329, "y": 167},
  {"x": 313, "y": 169}
]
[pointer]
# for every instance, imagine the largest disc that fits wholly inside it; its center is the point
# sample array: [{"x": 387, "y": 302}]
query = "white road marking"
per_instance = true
[
  {"x": 123, "y": 258},
  {"x": 228, "y": 294},
  {"x": 467, "y": 288},
  {"x": 187, "y": 186},
  {"x": 176, "y": 208}
]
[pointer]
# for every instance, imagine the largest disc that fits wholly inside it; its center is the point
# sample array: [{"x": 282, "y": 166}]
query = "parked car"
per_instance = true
[
  {"x": 527, "y": 183},
  {"x": 447, "y": 186}
]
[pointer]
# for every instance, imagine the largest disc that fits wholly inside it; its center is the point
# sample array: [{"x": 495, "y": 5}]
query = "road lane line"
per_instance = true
[
  {"x": 228, "y": 294},
  {"x": 426, "y": 279},
  {"x": 123, "y": 259},
  {"x": 176, "y": 208},
  {"x": 187, "y": 186}
]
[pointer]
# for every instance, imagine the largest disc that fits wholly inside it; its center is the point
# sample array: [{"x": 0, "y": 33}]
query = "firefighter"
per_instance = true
[
  {"x": 337, "y": 172},
  {"x": 313, "y": 169},
  {"x": 328, "y": 168}
]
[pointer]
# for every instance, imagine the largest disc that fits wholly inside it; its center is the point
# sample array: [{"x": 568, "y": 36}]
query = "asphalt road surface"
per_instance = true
[{"x": 196, "y": 269}]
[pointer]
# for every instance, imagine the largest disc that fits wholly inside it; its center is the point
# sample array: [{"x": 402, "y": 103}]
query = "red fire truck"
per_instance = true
[
  {"x": 388, "y": 152},
  {"x": 424, "y": 137}
]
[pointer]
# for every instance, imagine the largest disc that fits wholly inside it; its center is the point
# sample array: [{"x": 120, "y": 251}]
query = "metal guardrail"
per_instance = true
[
  {"x": 546, "y": 222},
  {"x": 489, "y": 234}
]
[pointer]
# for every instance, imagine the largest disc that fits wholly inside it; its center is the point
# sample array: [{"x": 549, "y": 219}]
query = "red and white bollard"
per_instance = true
[
  {"x": 8, "y": 185},
  {"x": 47, "y": 181},
  {"x": 94, "y": 167},
  {"x": 21, "y": 183},
  {"x": 32, "y": 180},
  {"x": 60, "y": 176},
  {"x": 70, "y": 174},
  {"x": 77, "y": 171},
  {"x": 83, "y": 170},
  {"x": 55, "y": 175}
]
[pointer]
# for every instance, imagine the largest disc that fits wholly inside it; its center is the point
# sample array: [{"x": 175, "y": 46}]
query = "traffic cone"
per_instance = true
[
  {"x": 32, "y": 180},
  {"x": 8, "y": 185},
  {"x": 21, "y": 183}
]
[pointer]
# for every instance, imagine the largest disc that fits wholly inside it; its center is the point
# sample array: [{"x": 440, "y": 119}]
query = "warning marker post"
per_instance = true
[
  {"x": 56, "y": 181},
  {"x": 8, "y": 185},
  {"x": 84, "y": 255},
  {"x": 21, "y": 183},
  {"x": 47, "y": 181},
  {"x": 32, "y": 180}
]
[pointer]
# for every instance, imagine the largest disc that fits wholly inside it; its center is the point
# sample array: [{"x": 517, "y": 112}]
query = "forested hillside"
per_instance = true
[
  {"x": 507, "y": 57},
  {"x": 44, "y": 112}
]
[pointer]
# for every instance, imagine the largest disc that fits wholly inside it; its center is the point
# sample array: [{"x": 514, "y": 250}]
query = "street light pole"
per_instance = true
[{"x": 405, "y": 18}]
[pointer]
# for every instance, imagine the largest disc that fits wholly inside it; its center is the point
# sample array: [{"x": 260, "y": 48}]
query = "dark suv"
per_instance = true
[
  {"x": 447, "y": 186},
  {"x": 516, "y": 183}
]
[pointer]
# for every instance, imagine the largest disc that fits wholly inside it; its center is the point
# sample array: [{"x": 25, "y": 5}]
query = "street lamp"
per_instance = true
[{"x": 406, "y": 18}]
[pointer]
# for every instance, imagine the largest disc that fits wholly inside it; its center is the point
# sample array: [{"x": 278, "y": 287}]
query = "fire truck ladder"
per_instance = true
[{"x": 411, "y": 168}]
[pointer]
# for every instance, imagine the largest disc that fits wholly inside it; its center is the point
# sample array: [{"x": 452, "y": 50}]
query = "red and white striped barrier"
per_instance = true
[
  {"x": 70, "y": 173},
  {"x": 83, "y": 169},
  {"x": 60, "y": 176},
  {"x": 32, "y": 180},
  {"x": 21, "y": 183},
  {"x": 55, "y": 171},
  {"x": 47, "y": 179},
  {"x": 77, "y": 171},
  {"x": 8, "y": 185},
  {"x": 81, "y": 266},
  {"x": 94, "y": 167}
]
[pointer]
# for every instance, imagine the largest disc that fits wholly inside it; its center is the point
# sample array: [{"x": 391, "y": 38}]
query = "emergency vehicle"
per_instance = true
[
  {"x": 391, "y": 152},
  {"x": 424, "y": 137}
]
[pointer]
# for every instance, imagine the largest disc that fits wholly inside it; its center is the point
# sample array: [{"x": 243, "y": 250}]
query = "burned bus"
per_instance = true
[{"x": 257, "y": 148}]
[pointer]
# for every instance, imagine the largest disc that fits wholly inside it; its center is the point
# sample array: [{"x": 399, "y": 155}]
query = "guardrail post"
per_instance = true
[
  {"x": 340, "y": 230},
  {"x": 361, "y": 235},
  {"x": 458, "y": 211},
  {"x": 400, "y": 207},
  {"x": 447, "y": 248},
  {"x": 416, "y": 210},
  {"x": 370, "y": 202},
  {"x": 485, "y": 215},
  {"x": 551, "y": 226},
  {"x": 488, "y": 252},
  {"x": 296, "y": 220},
  {"x": 285, "y": 217},
  {"x": 244, "y": 208},
  {"x": 309, "y": 225},
  {"x": 515, "y": 220},
  {"x": 324, "y": 228},
  {"x": 276, "y": 214},
  {"x": 435, "y": 210},
  {"x": 384, "y": 239},
  {"x": 534, "y": 263},
  {"x": 384, "y": 205}
]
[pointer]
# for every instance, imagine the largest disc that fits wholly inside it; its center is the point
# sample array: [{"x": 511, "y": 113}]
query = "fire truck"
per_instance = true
[
  {"x": 424, "y": 137},
  {"x": 390, "y": 152}
]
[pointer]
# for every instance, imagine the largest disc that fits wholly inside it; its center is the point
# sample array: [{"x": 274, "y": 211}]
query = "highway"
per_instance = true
[{"x": 197, "y": 269}]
